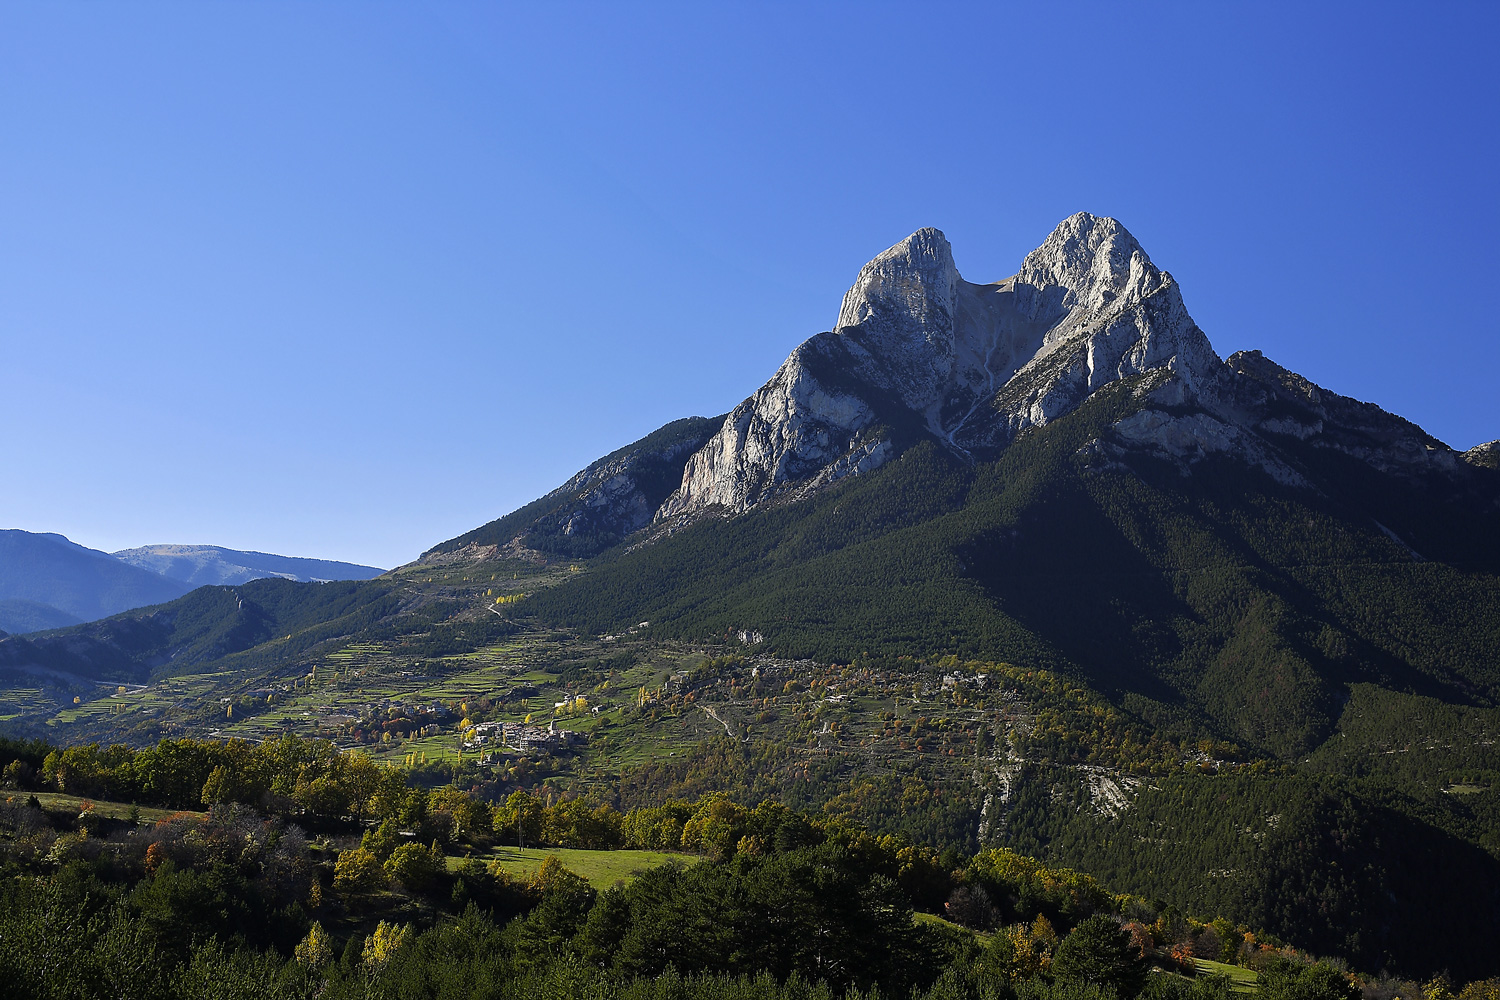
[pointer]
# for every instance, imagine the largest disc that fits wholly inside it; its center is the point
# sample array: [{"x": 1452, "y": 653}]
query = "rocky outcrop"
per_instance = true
[
  {"x": 593, "y": 510},
  {"x": 1187, "y": 439},
  {"x": 1485, "y": 456},
  {"x": 610, "y": 495}
]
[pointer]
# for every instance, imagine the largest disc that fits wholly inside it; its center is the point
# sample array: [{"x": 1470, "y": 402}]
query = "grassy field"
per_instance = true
[
  {"x": 602, "y": 868},
  {"x": 110, "y": 810},
  {"x": 932, "y": 918},
  {"x": 19, "y": 701},
  {"x": 1241, "y": 980}
]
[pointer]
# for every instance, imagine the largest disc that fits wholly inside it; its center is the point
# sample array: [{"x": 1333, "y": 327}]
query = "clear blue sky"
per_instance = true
[{"x": 347, "y": 279}]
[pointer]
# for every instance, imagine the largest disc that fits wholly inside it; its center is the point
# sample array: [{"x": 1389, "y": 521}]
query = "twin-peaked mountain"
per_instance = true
[
  {"x": 1053, "y": 469},
  {"x": 920, "y": 354}
]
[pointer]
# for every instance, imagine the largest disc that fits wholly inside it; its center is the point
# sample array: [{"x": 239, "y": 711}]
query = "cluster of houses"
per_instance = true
[
  {"x": 958, "y": 679},
  {"x": 522, "y": 736}
]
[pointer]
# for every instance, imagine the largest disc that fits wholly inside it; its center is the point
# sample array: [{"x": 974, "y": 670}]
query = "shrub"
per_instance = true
[
  {"x": 1100, "y": 951},
  {"x": 357, "y": 870},
  {"x": 415, "y": 866}
]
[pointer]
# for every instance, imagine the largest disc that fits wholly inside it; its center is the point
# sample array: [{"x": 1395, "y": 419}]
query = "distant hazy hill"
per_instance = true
[
  {"x": 47, "y": 581},
  {"x": 281, "y": 617},
  {"x": 18, "y": 616},
  {"x": 202, "y": 565},
  {"x": 62, "y": 576}
]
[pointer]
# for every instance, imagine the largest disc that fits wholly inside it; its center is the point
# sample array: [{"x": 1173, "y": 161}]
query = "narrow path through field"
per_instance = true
[{"x": 715, "y": 716}]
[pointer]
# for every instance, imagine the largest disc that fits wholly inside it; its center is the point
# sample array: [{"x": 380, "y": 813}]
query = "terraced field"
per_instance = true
[
  {"x": 21, "y": 701},
  {"x": 137, "y": 700},
  {"x": 1241, "y": 979},
  {"x": 57, "y": 801},
  {"x": 602, "y": 869}
]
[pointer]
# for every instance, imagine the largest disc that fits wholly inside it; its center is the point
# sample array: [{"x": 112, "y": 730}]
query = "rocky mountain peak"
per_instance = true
[
  {"x": 1091, "y": 260},
  {"x": 1091, "y": 281},
  {"x": 897, "y": 321},
  {"x": 919, "y": 354},
  {"x": 918, "y": 347},
  {"x": 1485, "y": 455},
  {"x": 905, "y": 294}
]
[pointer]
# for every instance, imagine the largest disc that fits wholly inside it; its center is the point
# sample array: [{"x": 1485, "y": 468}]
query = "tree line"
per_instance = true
[
  {"x": 234, "y": 903},
  {"x": 386, "y": 838}
]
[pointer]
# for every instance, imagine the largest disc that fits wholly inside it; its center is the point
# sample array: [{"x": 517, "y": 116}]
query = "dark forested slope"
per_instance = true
[
  {"x": 275, "y": 618},
  {"x": 1220, "y": 593}
]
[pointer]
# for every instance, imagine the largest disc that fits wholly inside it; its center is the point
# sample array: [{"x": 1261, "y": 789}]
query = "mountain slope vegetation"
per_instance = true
[
  {"x": 19, "y": 615},
  {"x": 1223, "y": 595},
  {"x": 1022, "y": 564},
  {"x": 257, "y": 624}
]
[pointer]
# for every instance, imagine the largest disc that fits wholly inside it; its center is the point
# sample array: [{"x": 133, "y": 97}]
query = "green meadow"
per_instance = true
[{"x": 602, "y": 869}]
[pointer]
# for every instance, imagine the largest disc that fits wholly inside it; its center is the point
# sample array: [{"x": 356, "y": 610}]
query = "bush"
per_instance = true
[
  {"x": 357, "y": 870},
  {"x": 1100, "y": 951},
  {"x": 415, "y": 866},
  {"x": 1283, "y": 979}
]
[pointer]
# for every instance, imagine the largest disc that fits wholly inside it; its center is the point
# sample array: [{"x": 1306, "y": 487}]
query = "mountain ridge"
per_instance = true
[
  {"x": 1064, "y": 501},
  {"x": 78, "y": 581},
  {"x": 1263, "y": 615},
  {"x": 918, "y": 353},
  {"x": 610, "y": 498},
  {"x": 48, "y": 581},
  {"x": 201, "y": 565}
]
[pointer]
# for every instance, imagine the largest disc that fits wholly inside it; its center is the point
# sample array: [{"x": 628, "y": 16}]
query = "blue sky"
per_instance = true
[{"x": 344, "y": 280}]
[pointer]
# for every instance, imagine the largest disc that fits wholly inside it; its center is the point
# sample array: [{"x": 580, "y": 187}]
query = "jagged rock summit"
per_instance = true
[
  {"x": 917, "y": 349},
  {"x": 920, "y": 354}
]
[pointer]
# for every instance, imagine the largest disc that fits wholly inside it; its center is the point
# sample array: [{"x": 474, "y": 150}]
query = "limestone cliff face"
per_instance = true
[
  {"x": 1105, "y": 312},
  {"x": 916, "y": 345},
  {"x": 795, "y": 431}
]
